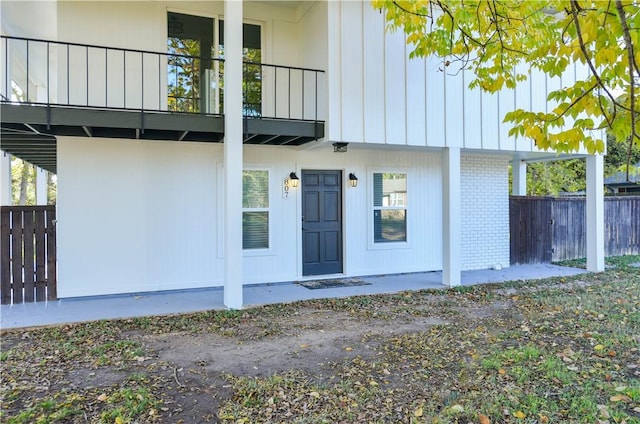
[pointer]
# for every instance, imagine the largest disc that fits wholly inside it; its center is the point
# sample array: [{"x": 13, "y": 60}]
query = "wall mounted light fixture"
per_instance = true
[
  {"x": 340, "y": 147},
  {"x": 353, "y": 180},
  {"x": 294, "y": 179}
]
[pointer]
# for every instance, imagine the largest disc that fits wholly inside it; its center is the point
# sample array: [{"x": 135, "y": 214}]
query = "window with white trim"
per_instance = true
[
  {"x": 389, "y": 207},
  {"x": 255, "y": 209}
]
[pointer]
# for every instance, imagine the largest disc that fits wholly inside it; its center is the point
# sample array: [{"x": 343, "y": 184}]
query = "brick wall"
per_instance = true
[{"x": 485, "y": 211}]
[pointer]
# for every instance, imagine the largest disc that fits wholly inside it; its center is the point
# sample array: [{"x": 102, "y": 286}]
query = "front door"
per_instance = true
[{"x": 321, "y": 222}]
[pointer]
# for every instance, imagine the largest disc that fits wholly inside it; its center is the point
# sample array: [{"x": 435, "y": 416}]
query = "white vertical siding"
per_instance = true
[
  {"x": 334, "y": 72},
  {"x": 135, "y": 216},
  {"x": 523, "y": 101},
  {"x": 454, "y": 107},
  {"x": 472, "y": 120},
  {"x": 139, "y": 216},
  {"x": 416, "y": 106},
  {"x": 435, "y": 101},
  {"x": 374, "y": 99},
  {"x": 397, "y": 90},
  {"x": 351, "y": 74}
]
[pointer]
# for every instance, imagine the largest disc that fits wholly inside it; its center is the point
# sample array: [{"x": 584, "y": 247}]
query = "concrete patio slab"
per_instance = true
[{"x": 176, "y": 302}]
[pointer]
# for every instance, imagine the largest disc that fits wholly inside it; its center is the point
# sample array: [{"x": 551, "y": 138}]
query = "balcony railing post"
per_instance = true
[
  {"x": 124, "y": 79},
  {"x": 27, "y": 78},
  {"x": 289, "y": 94},
  {"x": 68, "y": 78},
  {"x": 159, "y": 83},
  {"x": 142, "y": 81},
  {"x": 106, "y": 78},
  {"x": 86, "y": 55},
  {"x": 48, "y": 76}
]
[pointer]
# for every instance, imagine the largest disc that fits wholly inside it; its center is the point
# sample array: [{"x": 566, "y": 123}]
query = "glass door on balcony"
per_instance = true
[
  {"x": 191, "y": 70},
  {"x": 252, "y": 69}
]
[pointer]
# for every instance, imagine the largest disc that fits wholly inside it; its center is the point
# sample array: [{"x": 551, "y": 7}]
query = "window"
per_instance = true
[
  {"x": 252, "y": 70},
  {"x": 255, "y": 209},
  {"x": 389, "y": 207},
  {"x": 190, "y": 49}
]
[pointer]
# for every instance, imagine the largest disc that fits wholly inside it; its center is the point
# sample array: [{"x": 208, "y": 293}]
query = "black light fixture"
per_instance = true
[
  {"x": 340, "y": 147},
  {"x": 294, "y": 179},
  {"x": 353, "y": 180}
]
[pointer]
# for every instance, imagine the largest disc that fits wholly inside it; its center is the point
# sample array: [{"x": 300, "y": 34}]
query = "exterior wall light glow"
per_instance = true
[
  {"x": 353, "y": 180},
  {"x": 294, "y": 179}
]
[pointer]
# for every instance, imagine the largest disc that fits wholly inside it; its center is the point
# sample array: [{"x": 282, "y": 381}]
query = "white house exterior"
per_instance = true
[{"x": 138, "y": 214}]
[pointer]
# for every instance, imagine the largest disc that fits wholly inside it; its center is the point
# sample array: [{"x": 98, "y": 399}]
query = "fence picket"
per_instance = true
[
  {"x": 28, "y": 269},
  {"x": 5, "y": 256},
  {"x": 41, "y": 262}
]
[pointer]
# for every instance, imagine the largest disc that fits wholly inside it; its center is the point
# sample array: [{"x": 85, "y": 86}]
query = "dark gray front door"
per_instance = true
[{"x": 321, "y": 222}]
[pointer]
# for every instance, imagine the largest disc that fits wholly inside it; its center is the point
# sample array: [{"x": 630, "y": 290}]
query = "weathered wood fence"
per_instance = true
[
  {"x": 27, "y": 254},
  {"x": 546, "y": 229}
]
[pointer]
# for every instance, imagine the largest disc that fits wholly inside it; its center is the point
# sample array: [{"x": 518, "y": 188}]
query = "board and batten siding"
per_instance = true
[{"x": 378, "y": 95}]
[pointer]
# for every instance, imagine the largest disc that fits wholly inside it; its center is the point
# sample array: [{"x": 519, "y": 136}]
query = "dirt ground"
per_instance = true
[
  {"x": 309, "y": 340},
  {"x": 184, "y": 366}
]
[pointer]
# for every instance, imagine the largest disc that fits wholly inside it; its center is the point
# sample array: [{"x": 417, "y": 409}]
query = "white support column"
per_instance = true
[
  {"x": 451, "y": 217},
  {"x": 233, "y": 154},
  {"x": 519, "y": 180},
  {"x": 41, "y": 186},
  {"x": 595, "y": 213},
  {"x": 5, "y": 178}
]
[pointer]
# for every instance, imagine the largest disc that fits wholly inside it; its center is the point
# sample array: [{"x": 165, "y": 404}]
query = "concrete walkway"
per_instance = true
[{"x": 184, "y": 301}]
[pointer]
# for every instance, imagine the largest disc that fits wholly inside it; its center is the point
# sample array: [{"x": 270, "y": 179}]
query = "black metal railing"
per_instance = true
[{"x": 56, "y": 73}]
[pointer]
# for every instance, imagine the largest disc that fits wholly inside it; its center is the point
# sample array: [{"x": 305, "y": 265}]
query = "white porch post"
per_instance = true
[
  {"x": 5, "y": 178},
  {"x": 519, "y": 180},
  {"x": 451, "y": 217},
  {"x": 41, "y": 186},
  {"x": 595, "y": 213},
  {"x": 233, "y": 154}
]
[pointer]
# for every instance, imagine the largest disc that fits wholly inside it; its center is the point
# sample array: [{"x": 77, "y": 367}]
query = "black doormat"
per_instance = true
[{"x": 333, "y": 283}]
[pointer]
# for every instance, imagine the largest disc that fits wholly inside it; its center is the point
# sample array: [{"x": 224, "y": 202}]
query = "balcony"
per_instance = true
[{"x": 52, "y": 88}]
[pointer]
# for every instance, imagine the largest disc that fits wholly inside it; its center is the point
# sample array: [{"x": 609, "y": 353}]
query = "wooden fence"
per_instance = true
[
  {"x": 546, "y": 229},
  {"x": 27, "y": 254}
]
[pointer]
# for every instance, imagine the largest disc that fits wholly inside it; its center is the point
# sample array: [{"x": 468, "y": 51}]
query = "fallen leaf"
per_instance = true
[
  {"x": 519, "y": 414},
  {"x": 502, "y": 371},
  {"x": 119, "y": 420},
  {"x": 348, "y": 349},
  {"x": 103, "y": 397},
  {"x": 314, "y": 395},
  {"x": 483, "y": 419},
  {"x": 598, "y": 347},
  {"x": 418, "y": 412},
  {"x": 620, "y": 398}
]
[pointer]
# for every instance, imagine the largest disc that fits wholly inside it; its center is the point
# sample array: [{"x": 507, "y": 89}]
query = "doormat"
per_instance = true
[{"x": 334, "y": 283}]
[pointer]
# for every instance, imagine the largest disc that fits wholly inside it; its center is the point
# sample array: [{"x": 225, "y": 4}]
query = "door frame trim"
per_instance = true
[{"x": 299, "y": 276}]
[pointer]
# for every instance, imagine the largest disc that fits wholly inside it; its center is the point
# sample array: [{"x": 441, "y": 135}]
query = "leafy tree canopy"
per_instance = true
[{"x": 494, "y": 38}]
